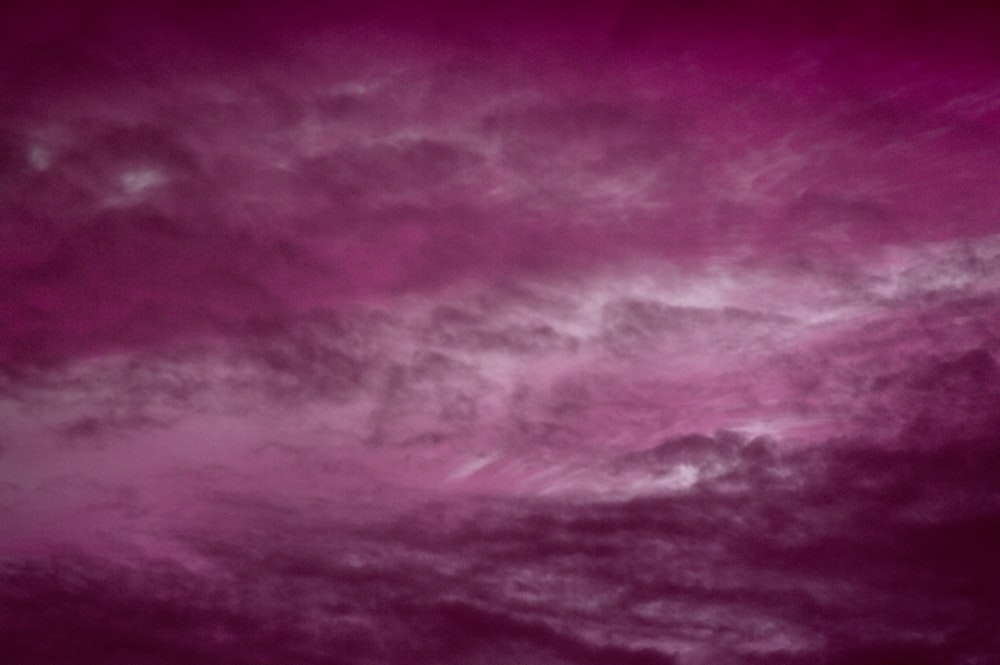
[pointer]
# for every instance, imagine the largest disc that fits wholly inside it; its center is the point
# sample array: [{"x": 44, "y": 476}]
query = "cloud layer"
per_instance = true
[{"x": 380, "y": 333}]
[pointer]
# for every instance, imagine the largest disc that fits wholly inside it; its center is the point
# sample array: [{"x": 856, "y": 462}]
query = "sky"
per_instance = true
[{"x": 555, "y": 333}]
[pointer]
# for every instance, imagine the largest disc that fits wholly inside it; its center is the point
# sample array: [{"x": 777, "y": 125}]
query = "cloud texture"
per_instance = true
[{"x": 379, "y": 333}]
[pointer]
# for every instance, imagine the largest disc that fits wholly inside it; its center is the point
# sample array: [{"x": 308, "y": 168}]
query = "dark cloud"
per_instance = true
[
  {"x": 850, "y": 553},
  {"x": 126, "y": 278},
  {"x": 197, "y": 193}
]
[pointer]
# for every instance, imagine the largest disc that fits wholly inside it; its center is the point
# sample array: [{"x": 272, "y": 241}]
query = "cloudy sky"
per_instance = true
[{"x": 462, "y": 333}]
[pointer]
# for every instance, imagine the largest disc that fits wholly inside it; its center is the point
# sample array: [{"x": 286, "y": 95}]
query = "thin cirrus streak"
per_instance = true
[{"x": 559, "y": 333}]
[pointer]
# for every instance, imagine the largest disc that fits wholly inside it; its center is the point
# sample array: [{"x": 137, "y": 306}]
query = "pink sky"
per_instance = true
[{"x": 432, "y": 333}]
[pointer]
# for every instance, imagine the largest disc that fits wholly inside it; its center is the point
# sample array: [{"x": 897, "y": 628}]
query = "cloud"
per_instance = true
[
  {"x": 852, "y": 551},
  {"x": 383, "y": 333},
  {"x": 370, "y": 177}
]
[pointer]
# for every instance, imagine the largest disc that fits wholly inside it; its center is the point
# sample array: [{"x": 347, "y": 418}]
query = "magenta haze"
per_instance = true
[{"x": 515, "y": 332}]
